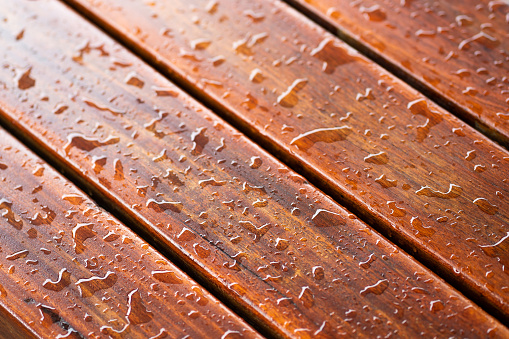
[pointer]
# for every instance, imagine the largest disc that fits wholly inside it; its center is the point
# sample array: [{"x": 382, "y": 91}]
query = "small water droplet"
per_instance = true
[
  {"x": 377, "y": 288},
  {"x": 485, "y": 206},
  {"x": 306, "y": 140},
  {"x": 137, "y": 313},
  {"x": 290, "y": 98},
  {"x": 89, "y": 286},
  {"x": 167, "y": 277},
  {"x": 64, "y": 279},
  {"x": 80, "y": 233}
]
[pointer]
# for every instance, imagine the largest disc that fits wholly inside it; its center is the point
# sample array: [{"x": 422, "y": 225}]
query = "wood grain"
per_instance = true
[
  {"x": 422, "y": 176},
  {"x": 458, "y": 50},
  {"x": 284, "y": 254},
  {"x": 13, "y": 328},
  {"x": 70, "y": 270}
]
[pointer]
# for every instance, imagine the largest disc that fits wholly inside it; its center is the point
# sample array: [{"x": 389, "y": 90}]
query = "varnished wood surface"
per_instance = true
[
  {"x": 13, "y": 327},
  {"x": 70, "y": 270},
  {"x": 283, "y": 253},
  {"x": 457, "y": 49},
  {"x": 423, "y": 176}
]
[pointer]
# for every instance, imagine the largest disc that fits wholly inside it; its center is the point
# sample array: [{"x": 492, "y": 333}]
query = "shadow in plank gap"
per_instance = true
[
  {"x": 281, "y": 253},
  {"x": 419, "y": 174},
  {"x": 68, "y": 269},
  {"x": 457, "y": 51}
]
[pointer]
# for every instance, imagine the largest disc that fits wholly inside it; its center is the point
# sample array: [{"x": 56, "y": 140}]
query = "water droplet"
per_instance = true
[
  {"x": 134, "y": 79},
  {"x": 485, "y": 206},
  {"x": 385, "y": 182},
  {"x": 454, "y": 192},
  {"x": 186, "y": 235},
  {"x": 395, "y": 210},
  {"x": 256, "y": 76},
  {"x": 380, "y": 158},
  {"x": 137, "y": 313},
  {"x": 306, "y": 140},
  {"x": 421, "y": 230},
  {"x": 289, "y": 98},
  {"x": 325, "y": 218},
  {"x": 373, "y": 13},
  {"x": 367, "y": 264},
  {"x": 202, "y": 252},
  {"x": 256, "y": 17},
  {"x": 9, "y": 215},
  {"x": 258, "y": 231},
  {"x": 482, "y": 38},
  {"x": 165, "y": 92},
  {"x": 24, "y": 80},
  {"x": 200, "y": 140},
  {"x": 161, "y": 206},
  {"x": 282, "y": 244},
  {"x": 87, "y": 143},
  {"x": 18, "y": 255},
  {"x": 212, "y": 181},
  {"x": 73, "y": 198},
  {"x": 368, "y": 95},
  {"x": 318, "y": 273},
  {"x": 167, "y": 277},
  {"x": 470, "y": 155},
  {"x": 119, "y": 170},
  {"x": 306, "y": 297},
  {"x": 60, "y": 108},
  {"x": 162, "y": 334},
  {"x": 436, "y": 306},
  {"x": 420, "y": 107},
  {"x": 64, "y": 279},
  {"x": 332, "y": 54},
  {"x": 103, "y": 108},
  {"x": 231, "y": 334},
  {"x": 80, "y": 233},
  {"x": 377, "y": 288},
  {"x": 88, "y": 287},
  {"x": 199, "y": 44}
]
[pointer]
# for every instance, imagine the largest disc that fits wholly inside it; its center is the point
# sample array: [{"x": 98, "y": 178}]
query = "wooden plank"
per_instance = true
[
  {"x": 12, "y": 327},
  {"x": 280, "y": 251},
  {"x": 456, "y": 50},
  {"x": 421, "y": 175},
  {"x": 70, "y": 270}
]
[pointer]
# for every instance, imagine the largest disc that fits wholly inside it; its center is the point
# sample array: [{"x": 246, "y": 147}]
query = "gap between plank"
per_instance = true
[
  {"x": 437, "y": 97},
  {"x": 263, "y": 141}
]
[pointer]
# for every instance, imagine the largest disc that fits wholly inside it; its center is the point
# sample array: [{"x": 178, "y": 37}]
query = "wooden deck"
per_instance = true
[{"x": 233, "y": 169}]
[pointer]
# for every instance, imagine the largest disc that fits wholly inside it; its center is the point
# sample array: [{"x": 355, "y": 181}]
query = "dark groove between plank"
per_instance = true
[
  {"x": 404, "y": 75},
  {"x": 263, "y": 141}
]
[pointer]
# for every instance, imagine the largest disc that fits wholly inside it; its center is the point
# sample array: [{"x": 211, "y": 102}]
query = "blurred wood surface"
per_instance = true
[
  {"x": 418, "y": 173},
  {"x": 70, "y": 270},
  {"x": 285, "y": 255},
  {"x": 458, "y": 50}
]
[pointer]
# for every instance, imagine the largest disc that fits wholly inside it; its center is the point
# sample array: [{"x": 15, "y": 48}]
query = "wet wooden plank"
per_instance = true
[
  {"x": 284, "y": 254},
  {"x": 458, "y": 50},
  {"x": 12, "y": 327},
  {"x": 70, "y": 270},
  {"x": 417, "y": 172}
]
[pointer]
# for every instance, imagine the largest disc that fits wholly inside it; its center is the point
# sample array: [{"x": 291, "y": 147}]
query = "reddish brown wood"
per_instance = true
[
  {"x": 456, "y": 49},
  {"x": 12, "y": 327},
  {"x": 283, "y": 253},
  {"x": 416, "y": 171},
  {"x": 69, "y": 269}
]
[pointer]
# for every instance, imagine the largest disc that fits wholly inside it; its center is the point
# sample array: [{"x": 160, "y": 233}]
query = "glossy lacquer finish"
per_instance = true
[
  {"x": 70, "y": 270},
  {"x": 370, "y": 140},
  {"x": 280, "y": 251},
  {"x": 456, "y": 49}
]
